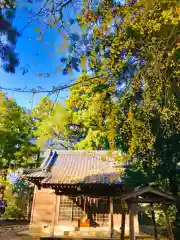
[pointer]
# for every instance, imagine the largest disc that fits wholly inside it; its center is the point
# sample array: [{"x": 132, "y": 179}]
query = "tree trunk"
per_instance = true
[
  {"x": 174, "y": 190},
  {"x": 169, "y": 225},
  {"x": 177, "y": 222},
  {"x": 4, "y": 177},
  {"x": 131, "y": 224},
  {"x": 154, "y": 223},
  {"x": 29, "y": 203},
  {"x": 123, "y": 219},
  {"x": 38, "y": 158}
]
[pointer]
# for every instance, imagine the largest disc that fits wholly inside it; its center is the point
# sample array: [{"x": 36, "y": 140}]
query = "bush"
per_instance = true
[{"x": 12, "y": 212}]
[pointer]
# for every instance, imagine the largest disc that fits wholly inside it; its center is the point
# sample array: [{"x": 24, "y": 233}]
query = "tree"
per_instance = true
[
  {"x": 16, "y": 138},
  {"x": 51, "y": 13},
  {"x": 146, "y": 114},
  {"x": 51, "y": 124},
  {"x": 7, "y": 47},
  {"x": 17, "y": 148},
  {"x": 90, "y": 107}
]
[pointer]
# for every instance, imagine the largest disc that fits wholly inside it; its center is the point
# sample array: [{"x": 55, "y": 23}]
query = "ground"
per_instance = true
[{"x": 9, "y": 229}]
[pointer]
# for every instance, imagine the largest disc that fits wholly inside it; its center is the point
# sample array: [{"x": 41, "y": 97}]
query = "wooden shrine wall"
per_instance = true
[
  {"x": 45, "y": 219},
  {"x": 43, "y": 206}
]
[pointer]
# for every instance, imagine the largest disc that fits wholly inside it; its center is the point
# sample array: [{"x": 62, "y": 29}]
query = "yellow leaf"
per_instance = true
[
  {"x": 59, "y": 49},
  {"x": 65, "y": 45},
  {"x": 37, "y": 30},
  {"x": 41, "y": 38},
  {"x": 178, "y": 10},
  {"x": 69, "y": 69},
  {"x": 58, "y": 69},
  {"x": 83, "y": 63},
  {"x": 64, "y": 36}
]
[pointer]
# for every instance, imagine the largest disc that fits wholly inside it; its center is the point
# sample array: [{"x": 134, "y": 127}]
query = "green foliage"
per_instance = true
[
  {"x": 135, "y": 176},
  {"x": 51, "y": 121},
  {"x": 131, "y": 98},
  {"x": 13, "y": 212},
  {"x": 138, "y": 60},
  {"x": 146, "y": 108},
  {"x": 16, "y": 145},
  {"x": 8, "y": 56},
  {"x": 172, "y": 213}
]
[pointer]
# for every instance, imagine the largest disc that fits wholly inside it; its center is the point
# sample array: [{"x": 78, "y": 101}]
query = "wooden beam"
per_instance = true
[
  {"x": 111, "y": 215},
  {"x": 154, "y": 223},
  {"x": 139, "y": 191},
  {"x": 123, "y": 219},
  {"x": 149, "y": 200},
  {"x": 131, "y": 224},
  {"x": 89, "y": 194}
]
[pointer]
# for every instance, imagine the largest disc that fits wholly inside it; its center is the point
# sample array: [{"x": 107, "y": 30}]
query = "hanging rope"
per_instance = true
[{"x": 53, "y": 90}]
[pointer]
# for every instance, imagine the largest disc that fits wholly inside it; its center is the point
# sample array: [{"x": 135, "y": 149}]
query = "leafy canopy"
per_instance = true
[{"x": 16, "y": 137}]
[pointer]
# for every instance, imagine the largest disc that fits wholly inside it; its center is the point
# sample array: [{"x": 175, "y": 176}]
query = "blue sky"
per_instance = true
[{"x": 33, "y": 56}]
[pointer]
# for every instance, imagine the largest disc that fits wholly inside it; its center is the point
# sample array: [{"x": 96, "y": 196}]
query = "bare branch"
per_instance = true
[{"x": 62, "y": 7}]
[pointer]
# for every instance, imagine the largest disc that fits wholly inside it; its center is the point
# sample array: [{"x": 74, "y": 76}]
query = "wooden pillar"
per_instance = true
[
  {"x": 123, "y": 219},
  {"x": 54, "y": 216},
  {"x": 131, "y": 223},
  {"x": 169, "y": 226},
  {"x": 28, "y": 203},
  {"x": 84, "y": 204},
  {"x": 154, "y": 223},
  {"x": 33, "y": 203},
  {"x": 72, "y": 210},
  {"x": 111, "y": 216}
]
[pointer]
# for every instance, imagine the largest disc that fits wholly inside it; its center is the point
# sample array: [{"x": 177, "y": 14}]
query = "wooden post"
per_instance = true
[
  {"x": 111, "y": 214},
  {"x": 131, "y": 224},
  {"x": 28, "y": 203},
  {"x": 33, "y": 203},
  {"x": 85, "y": 204},
  {"x": 123, "y": 219},
  {"x": 72, "y": 210},
  {"x": 169, "y": 226},
  {"x": 54, "y": 216},
  {"x": 154, "y": 223}
]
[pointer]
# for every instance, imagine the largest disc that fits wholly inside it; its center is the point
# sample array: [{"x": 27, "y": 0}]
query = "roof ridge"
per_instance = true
[{"x": 83, "y": 151}]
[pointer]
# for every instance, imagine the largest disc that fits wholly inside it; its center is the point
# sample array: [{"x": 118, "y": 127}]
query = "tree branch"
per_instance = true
[{"x": 61, "y": 9}]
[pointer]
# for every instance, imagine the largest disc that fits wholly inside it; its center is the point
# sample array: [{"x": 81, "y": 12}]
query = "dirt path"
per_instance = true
[{"x": 8, "y": 230}]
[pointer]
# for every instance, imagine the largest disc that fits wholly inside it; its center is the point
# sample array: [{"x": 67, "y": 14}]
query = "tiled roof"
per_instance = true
[
  {"x": 72, "y": 167},
  {"x": 38, "y": 174}
]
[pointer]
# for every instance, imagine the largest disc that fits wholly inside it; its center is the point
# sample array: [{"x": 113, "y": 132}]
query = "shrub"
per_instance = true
[{"x": 12, "y": 212}]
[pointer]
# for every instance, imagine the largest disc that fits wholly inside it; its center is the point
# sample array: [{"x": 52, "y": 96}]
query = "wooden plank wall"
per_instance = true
[
  {"x": 45, "y": 215},
  {"x": 43, "y": 206}
]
